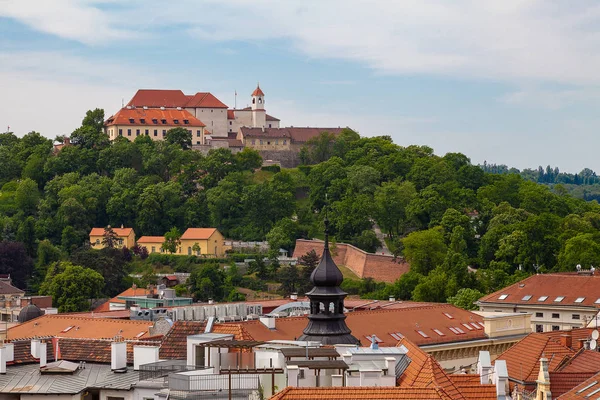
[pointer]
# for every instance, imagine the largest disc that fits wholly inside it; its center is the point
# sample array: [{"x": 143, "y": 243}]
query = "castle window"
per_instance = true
[
  {"x": 190, "y": 131},
  {"x": 146, "y": 132},
  {"x": 142, "y": 120},
  {"x": 253, "y": 141},
  {"x": 284, "y": 141},
  {"x": 156, "y": 132},
  {"x": 137, "y": 132},
  {"x": 211, "y": 110},
  {"x": 259, "y": 100},
  {"x": 198, "y": 142},
  {"x": 269, "y": 125},
  {"x": 276, "y": 141},
  {"x": 230, "y": 122},
  {"x": 261, "y": 142},
  {"x": 253, "y": 101},
  {"x": 120, "y": 132},
  {"x": 198, "y": 133},
  {"x": 164, "y": 132},
  {"x": 128, "y": 132}
]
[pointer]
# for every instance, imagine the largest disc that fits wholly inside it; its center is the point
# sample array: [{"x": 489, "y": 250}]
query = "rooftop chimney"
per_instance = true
[
  {"x": 484, "y": 366},
  {"x": 43, "y": 354},
  {"x": 581, "y": 344},
  {"x": 294, "y": 296},
  {"x": 567, "y": 340},
  {"x": 144, "y": 355},
  {"x": 35, "y": 348},
  {"x": 374, "y": 344},
  {"x": 268, "y": 322},
  {"x": 118, "y": 356},
  {"x": 392, "y": 298},
  {"x": 2, "y": 360},
  {"x": 500, "y": 379}
]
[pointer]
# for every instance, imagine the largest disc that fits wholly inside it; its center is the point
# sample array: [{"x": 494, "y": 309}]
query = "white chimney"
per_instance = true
[
  {"x": 118, "y": 356},
  {"x": 484, "y": 367},
  {"x": 293, "y": 372},
  {"x": 2, "y": 360},
  {"x": 268, "y": 322},
  {"x": 10, "y": 351},
  {"x": 144, "y": 355},
  {"x": 500, "y": 379},
  {"x": 35, "y": 348},
  {"x": 390, "y": 365},
  {"x": 294, "y": 296},
  {"x": 43, "y": 354},
  {"x": 392, "y": 298}
]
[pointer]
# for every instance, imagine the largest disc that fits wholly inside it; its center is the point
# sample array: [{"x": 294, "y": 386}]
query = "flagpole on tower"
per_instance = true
[{"x": 235, "y": 101}]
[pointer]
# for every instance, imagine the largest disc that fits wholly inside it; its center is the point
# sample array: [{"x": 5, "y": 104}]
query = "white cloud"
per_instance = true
[
  {"x": 484, "y": 39},
  {"x": 552, "y": 99}
]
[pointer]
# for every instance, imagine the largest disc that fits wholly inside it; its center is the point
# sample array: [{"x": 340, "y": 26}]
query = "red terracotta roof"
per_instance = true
[
  {"x": 6, "y": 288},
  {"x": 79, "y": 327},
  {"x": 577, "y": 289},
  {"x": 562, "y": 382},
  {"x": 387, "y": 324},
  {"x": 131, "y": 292},
  {"x": 204, "y": 100},
  {"x": 198, "y": 233},
  {"x": 258, "y": 91},
  {"x": 158, "y": 98},
  {"x": 93, "y": 350},
  {"x": 151, "y": 239},
  {"x": 271, "y": 118},
  {"x": 22, "y": 352},
  {"x": 154, "y": 117},
  {"x": 360, "y": 393},
  {"x": 585, "y": 390},
  {"x": 582, "y": 361},
  {"x": 298, "y": 135},
  {"x": 523, "y": 359},
  {"x": 230, "y": 114},
  {"x": 119, "y": 231}
]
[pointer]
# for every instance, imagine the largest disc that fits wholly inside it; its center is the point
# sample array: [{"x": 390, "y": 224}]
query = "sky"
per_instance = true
[{"x": 513, "y": 82}]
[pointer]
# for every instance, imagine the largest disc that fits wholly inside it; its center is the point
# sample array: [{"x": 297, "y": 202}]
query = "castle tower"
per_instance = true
[
  {"x": 326, "y": 322},
  {"x": 258, "y": 108}
]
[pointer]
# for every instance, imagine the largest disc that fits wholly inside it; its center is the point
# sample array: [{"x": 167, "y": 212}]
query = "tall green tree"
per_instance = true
[{"x": 73, "y": 288}]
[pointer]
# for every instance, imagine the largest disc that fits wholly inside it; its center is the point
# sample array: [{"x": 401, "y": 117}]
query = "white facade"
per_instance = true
[{"x": 215, "y": 120}]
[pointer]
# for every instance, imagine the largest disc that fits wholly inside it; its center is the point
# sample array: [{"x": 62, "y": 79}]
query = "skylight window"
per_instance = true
[
  {"x": 423, "y": 334},
  {"x": 502, "y": 297},
  {"x": 448, "y": 315},
  {"x": 467, "y": 326},
  {"x": 587, "y": 387},
  {"x": 559, "y": 299},
  {"x": 439, "y": 332},
  {"x": 459, "y": 330},
  {"x": 579, "y": 300},
  {"x": 526, "y": 298},
  {"x": 68, "y": 328},
  {"x": 397, "y": 335},
  {"x": 139, "y": 335},
  {"x": 454, "y": 330},
  {"x": 543, "y": 298},
  {"x": 597, "y": 301},
  {"x": 476, "y": 326}
]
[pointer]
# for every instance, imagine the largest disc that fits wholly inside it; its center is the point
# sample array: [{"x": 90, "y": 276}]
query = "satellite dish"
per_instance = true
[
  {"x": 595, "y": 335},
  {"x": 593, "y": 345}
]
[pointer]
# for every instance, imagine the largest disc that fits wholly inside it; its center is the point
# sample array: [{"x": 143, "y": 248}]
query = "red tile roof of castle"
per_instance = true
[
  {"x": 155, "y": 98},
  {"x": 153, "y": 117},
  {"x": 204, "y": 100},
  {"x": 198, "y": 233},
  {"x": 389, "y": 325},
  {"x": 118, "y": 231},
  {"x": 298, "y": 135},
  {"x": 577, "y": 289}
]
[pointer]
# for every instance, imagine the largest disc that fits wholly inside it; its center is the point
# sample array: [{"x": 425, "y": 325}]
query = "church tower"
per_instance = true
[
  {"x": 326, "y": 322},
  {"x": 258, "y": 108}
]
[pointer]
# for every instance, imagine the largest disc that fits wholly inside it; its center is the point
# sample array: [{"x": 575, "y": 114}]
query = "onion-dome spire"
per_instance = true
[{"x": 327, "y": 272}]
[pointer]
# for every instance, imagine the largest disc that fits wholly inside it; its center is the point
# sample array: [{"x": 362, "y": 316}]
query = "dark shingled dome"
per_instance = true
[{"x": 30, "y": 312}]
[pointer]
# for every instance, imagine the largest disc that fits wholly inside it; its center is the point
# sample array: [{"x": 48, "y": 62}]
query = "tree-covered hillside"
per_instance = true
[{"x": 440, "y": 212}]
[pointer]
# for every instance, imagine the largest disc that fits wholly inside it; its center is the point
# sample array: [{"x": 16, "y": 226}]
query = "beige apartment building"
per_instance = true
[
  {"x": 561, "y": 301},
  {"x": 207, "y": 242}
]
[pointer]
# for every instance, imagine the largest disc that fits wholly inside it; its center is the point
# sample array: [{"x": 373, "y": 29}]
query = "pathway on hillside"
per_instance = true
[{"x": 383, "y": 249}]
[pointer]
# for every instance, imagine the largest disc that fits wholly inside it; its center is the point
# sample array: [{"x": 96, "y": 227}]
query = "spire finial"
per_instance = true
[{"x": 326, "y": 222}]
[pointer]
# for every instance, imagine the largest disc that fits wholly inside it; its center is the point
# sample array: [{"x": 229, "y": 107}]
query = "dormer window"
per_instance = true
[
  {"x": 143, "y": 120},
  {"x": 154, "y": 121},
  {"x": 163, "y": 121},
  {"x": 186, "y": 121},
  {"x": 131, "y": 120},
  {"x": 175, "y": 121}
]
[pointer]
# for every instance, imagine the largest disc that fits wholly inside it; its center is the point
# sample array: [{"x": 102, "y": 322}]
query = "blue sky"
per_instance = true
[{"x": 513, "y": 82}]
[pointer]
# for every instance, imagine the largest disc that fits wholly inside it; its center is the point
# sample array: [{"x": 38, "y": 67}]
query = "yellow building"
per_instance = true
[
  {"x": 131, "y": 122},
  {"x": 125, "y": 237},
  {"x": 153, "y": 244},
  {"x": 210, "y": 241}
]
